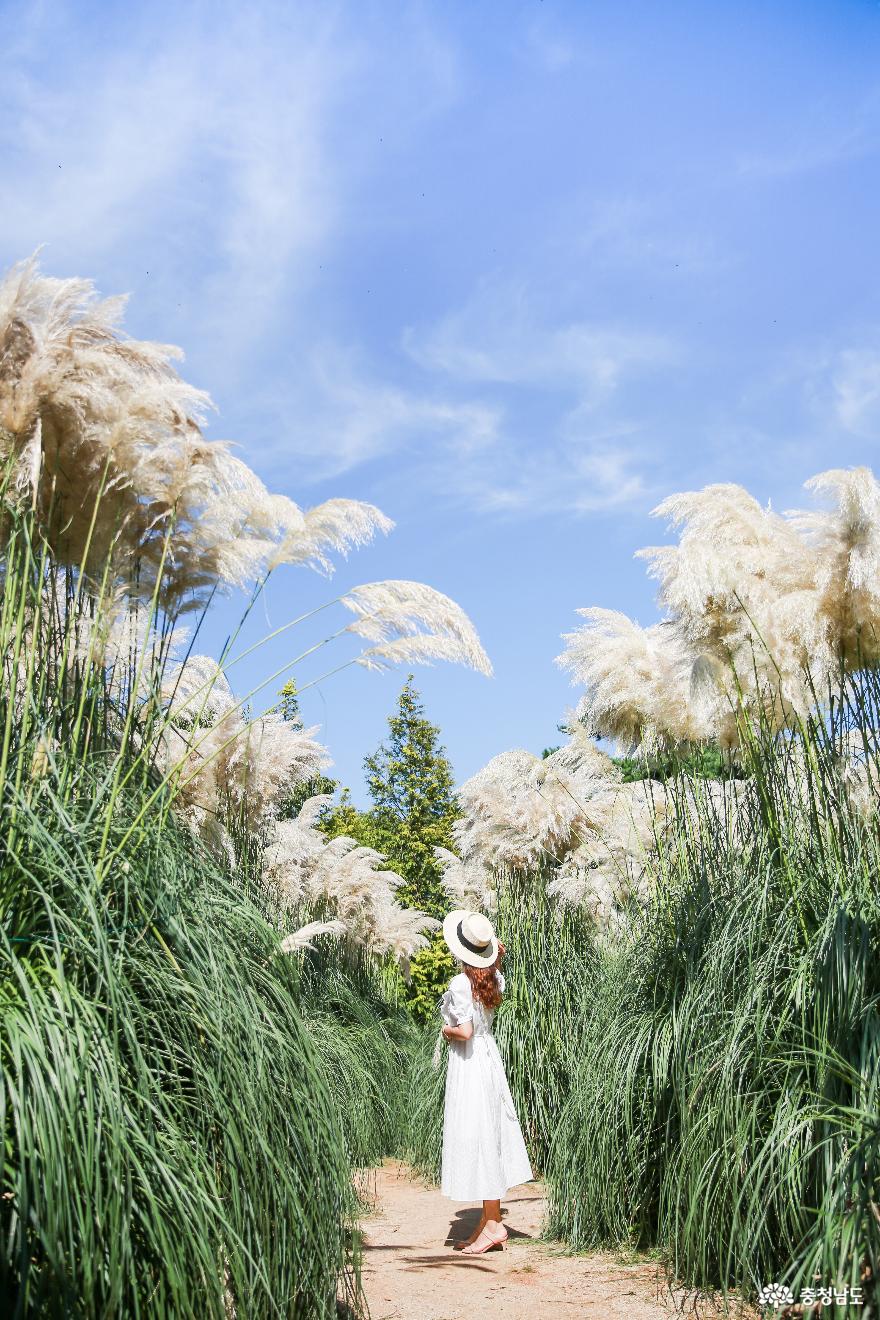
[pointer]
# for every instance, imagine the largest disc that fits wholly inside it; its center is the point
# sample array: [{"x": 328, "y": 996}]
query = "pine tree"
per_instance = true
[
  {"x": 411, "y": 786},
  {"x": 409, "y": 779},
  {"x": 289, "y": 703}
]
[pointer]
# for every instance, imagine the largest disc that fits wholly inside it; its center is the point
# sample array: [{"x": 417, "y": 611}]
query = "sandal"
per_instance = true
[
  {"x": 466, "y": 1242},
  {"x": 485, "y": 1242}
]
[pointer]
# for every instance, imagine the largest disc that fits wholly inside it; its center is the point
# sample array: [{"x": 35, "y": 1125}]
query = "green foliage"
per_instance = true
[
  {"x": 431, "y": 970},
  {"x": 421, "y": 1125},
  {"x": 317, "y": 786},
  {"x": 549, "y": 969},
  {"x": 411, "y": 785},
  {"x": 410, "y": 781},
  {"x": 364, "y": 1037},
  {"x": 170, "y": 1146},
  {"x": 702, "y": 761},
  {"x": 289, "y": 703},
  {"x": 409, "y": 778}
]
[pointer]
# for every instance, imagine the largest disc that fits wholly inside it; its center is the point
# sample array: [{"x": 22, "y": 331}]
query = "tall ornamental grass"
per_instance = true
[
  {"x": 725, "y": 1106},
  {"x": 178, "y": 1106},
  {"x": 548, "y": 968},
  {"x": 364, "y": 1038},
  {"x": 170, "y": 1142}
]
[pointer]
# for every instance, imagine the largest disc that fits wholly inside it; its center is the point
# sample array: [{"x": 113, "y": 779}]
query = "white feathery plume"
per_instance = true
[
  {"x": 261, "y": 766},
  {"x": 731, "y": 559},
  {"x": 236, "y": 767},
  {"x": 612, "y": 867},
  {"x": 92, "y": 419},
  {"x": 467, "y": 884},
  {"x": 569, "y": 814},
  {"x": 310, "y": 812},
  {"x": 741, "y": 587},
  {"x": 762, "y": 610},
  {"x": 336, "y": 525},
  {"x": 638, "y": 681},
  {"x": 580, "y": 756},
  {"x": 420, "y": 649},
  {"x": 342, "y": 877},
  {"x": 194, "y": 770},
  {"x": 196, "y": 691},
  {"x": 292, "y": 849},
  {"x": 522, "y": 812},
  {"x": 859, "y": 771},
  {"x": 43, "y": 755},
  {"x": 117, "y": 631},
  {"x": 301, "y": 939},
  {"x": 401, "y": 932},
  {"x": 408, "y": 620},
  {"x": 844, "y": 541}
]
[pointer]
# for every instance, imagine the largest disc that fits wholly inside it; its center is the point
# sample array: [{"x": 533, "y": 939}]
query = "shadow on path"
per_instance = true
[{"x": 464, "y": 1224}]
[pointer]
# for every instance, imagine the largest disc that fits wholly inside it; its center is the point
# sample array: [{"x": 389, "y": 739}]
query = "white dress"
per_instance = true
[{"x": 483, "y": 1149}]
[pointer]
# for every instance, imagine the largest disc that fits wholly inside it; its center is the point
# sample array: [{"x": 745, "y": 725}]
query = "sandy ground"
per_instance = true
[{"x": 410, "y": 1271}]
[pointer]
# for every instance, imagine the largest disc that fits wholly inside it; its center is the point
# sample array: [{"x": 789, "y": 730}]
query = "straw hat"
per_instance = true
[{"x": 471, "y": 938}]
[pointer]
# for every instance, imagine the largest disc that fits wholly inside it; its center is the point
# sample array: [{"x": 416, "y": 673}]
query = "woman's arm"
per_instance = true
[{"x": 462, "y": 1032}]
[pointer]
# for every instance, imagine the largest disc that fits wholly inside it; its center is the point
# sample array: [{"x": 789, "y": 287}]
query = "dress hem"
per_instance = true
[{"x": 485, "y": 1196}]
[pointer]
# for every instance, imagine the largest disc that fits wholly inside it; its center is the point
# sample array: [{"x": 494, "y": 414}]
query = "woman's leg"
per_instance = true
[
  {"x": 490, "y": 1232},
  {"x": 476, "y": 1233},
  {"x": 491, "y": 1210}
]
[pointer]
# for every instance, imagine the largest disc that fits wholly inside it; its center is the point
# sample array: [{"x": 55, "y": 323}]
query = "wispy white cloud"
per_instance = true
[
  {"x": 640, "y": 232},
  {"x": 339, "y": 414},
  {"x": 855, "y": 383},
  {"x": 826, "y": 136},
  {"x": 460, "y": 419},
  {"x": 498, "y": 338},
  {"x": 213, "y": 148},
  {"x": 552, "y": 48},
  {"x": 837, "y": 385},
  {"x": 599, "y": 474},
  {"x": 198, "y": 139}
]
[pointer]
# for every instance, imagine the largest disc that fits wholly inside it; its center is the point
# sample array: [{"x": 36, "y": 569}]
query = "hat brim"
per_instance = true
[{"x": 450, "y": 934}]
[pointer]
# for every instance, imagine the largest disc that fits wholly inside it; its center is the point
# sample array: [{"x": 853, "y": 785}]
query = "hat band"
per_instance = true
[{"x": 478, "y": 949}]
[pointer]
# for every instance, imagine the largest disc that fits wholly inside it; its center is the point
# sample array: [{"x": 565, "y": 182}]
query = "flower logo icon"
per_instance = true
[{"x": 775, "y": 1295}]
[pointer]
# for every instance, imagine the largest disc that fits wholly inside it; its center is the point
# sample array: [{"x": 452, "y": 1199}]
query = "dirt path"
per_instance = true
[{"x": 410, "y": 1271}]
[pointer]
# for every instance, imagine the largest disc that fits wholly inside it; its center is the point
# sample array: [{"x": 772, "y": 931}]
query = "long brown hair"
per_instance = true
[{"x": 485, "y": 985}]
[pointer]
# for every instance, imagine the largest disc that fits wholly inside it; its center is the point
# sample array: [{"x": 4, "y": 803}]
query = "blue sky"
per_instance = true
[{"x": 513, "y": 272}]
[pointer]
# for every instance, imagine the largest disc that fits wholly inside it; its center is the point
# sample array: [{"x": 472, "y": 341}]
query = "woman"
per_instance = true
[{"x": 483, "y": 1149}]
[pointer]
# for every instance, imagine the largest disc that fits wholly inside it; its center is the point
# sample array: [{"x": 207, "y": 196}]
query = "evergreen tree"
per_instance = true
[
  {"x": 410, "y": 783},
  {"x": 289, "y": 703},
  {"x": 409, "y": 779}
]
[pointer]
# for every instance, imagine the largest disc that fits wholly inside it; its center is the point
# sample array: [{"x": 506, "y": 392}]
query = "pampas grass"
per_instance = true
[
  {"x": 719, "y": 1109},
  {"x": 106, "y": 444},
  {"x": 163, "y": 1107},
  {"x": 761, "y": 611},
  {"x": 190, "y": 984}
]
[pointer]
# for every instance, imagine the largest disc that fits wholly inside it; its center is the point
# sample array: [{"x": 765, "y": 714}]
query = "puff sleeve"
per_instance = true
[{"x": 458, "y": 1003}]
